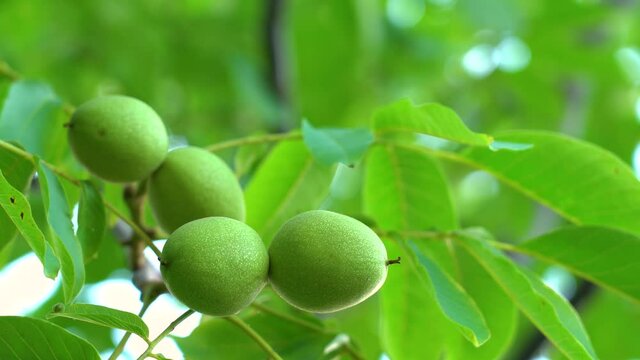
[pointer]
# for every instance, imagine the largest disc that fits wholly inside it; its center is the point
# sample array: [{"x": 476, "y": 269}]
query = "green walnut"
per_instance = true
[
  {"x": 216, "y": 265},
  {"x": 321, "y": 261},
  {"x": 118, "y": 138},
  {"x": 192, "y": 184}
]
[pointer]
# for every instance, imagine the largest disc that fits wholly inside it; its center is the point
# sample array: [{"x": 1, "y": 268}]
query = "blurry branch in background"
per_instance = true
[
  {"x": 277, "y": 61},
  {"x": 8, "y": 72}
]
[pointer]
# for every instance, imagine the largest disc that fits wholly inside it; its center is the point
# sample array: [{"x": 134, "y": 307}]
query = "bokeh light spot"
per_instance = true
[
  {"x": 405, "y": 14},
  {"x": 478, "y": 61},
  {"x": 511, "y": 55}
]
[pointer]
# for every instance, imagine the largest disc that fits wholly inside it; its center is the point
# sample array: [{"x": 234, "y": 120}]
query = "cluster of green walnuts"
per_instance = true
[{"x": 319, "y": 261}]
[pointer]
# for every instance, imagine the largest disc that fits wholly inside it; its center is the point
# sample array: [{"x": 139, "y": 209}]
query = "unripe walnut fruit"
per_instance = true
[
  {"x": 118, "y": 138},
  {"x": 322, "y": 261},
  {"x": 216, "y": 265},
  {"x": 191, "y": 184}
]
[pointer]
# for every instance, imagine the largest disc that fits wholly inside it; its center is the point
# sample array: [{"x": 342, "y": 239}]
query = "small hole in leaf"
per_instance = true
[
  {"x": 21, "y": 215},
  {"x": 13, "y": 200}
]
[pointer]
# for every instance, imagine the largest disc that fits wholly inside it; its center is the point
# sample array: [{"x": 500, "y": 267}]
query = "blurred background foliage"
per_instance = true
[{"x": 217, "y": 69}]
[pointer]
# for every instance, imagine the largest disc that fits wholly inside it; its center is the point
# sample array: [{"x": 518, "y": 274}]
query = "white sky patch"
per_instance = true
[
  {"x": 74, "y": 217},
  {"x": 122, "y": 295},
  {"x": 24, "y": 286},
  {"x": 560, "y": 280},
  {"x": 635, "y": 160},
  {"x": 161, "y": 313}
]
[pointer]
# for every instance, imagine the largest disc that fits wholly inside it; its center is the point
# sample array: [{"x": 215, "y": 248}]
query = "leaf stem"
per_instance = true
[
  {"x": 257, "y": 139},
  {"x": 164, "y": 333},
  {"x": 289, "y": 318},
  {"x": 254, "y": 335},
  {"x": 30, "y": 157}
]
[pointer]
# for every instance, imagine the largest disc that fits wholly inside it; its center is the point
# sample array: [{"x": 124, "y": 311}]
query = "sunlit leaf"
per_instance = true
[
  {"x": 430, "y": 119},
  {"x": 103, "y": 316},
  {"x": 32, "y": 116},
  {"x": 582, "y": 182},
  {"x": 288, "y": 182},
  {"x": 28, "y": 338},
  {"x": 608, "y": 257}
]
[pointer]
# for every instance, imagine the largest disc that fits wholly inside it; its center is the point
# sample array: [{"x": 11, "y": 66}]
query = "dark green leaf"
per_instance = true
[
  {"x": 16, "y": 206},
  {"x": 18, "y": 171},
  {"x": 550, "y": 312},
  {"x": 24, "y": 338},
  {"x": 65, "y": 244},
  {"x": 430, "y": 119},
  {"x": 289, "y": 181},
  {"x": 91, "y": 220},
  {"x": 454, "y": 302},
  {"x": 608, "y": 257},
  {"x": 104, "y": 316},
  {"x": 330, "y": 146},
  {"x": 32, "y": 116}
]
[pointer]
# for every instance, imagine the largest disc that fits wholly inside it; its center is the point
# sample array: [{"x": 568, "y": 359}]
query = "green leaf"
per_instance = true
[
  {"x": 65, "y": 244},
  {"x": 32, "y": 116},
  {"x": 454, "y": 302},
  {"x": 406, "y": 190},
  {"x": 580, "y": 181},
  {"x": 550, "y": 312},
  {"x": 91, "y": 220},
  {"x": 17, "y": 208},
  {"x": 17, "y": 171},
  {"x": 409, "y": 312},
  {"x": 28, "y": 338},
  {"x": 497, "y": 307},
  {"x": 604, "y": 256},
  {"x": 103, "y": 316},
  {"x": 430, "y": 119},
  {"x": 288, "y": 182},
  {"x": 217, "y": 338},
  {"x": 330, "y": 146}
]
